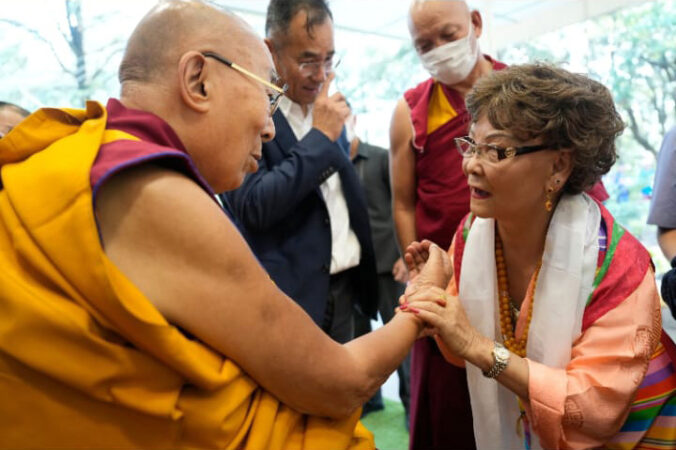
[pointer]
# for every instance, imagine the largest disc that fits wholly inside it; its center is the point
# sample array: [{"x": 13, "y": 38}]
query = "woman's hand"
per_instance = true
[
  {"x": 427, "y": 264},
  {"x": 426, "y": 330},
  {"x": 444, "y": 314}
]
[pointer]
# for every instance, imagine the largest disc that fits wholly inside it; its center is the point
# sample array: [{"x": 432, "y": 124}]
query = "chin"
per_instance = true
[
  {"x": 227, "y": 184},
  {"x": 307, "y": 99},
  {"x": 234, "y": 184},
  {"x": 484, "y": 213}
]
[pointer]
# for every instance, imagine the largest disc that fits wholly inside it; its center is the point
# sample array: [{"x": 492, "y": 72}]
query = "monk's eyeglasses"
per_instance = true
[
  {"x": 492, "y": 153},
  {"x": 274, "y": 98}
]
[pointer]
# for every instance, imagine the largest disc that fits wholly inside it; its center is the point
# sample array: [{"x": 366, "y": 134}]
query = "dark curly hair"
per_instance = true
[{"x": 564, "y": 109}]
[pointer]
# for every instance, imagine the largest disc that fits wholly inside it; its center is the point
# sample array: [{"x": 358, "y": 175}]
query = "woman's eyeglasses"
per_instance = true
[{"x": 490, "y": 152}]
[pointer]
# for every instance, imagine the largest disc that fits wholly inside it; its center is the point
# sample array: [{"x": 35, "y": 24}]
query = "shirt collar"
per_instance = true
[{"x": 292, "y": 109}]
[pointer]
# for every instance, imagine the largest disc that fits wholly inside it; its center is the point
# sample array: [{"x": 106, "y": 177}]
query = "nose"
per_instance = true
[
  {"x": 320, "y": 75},
  {"x": 438, "y": 42},
  {"x": 268, "y": 132},
  {"x": 472, "y": 165}
]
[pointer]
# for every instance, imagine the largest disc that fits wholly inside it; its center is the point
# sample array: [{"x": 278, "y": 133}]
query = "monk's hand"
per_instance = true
[
  {"x": 427, "y": 264},
  {"x": 424, "y": 294},
  {"x": 330, "y": 112},
  {"x": 444, "y": 315},
  {"x": 415, "y": 257},
  {"x": 399, "y": 271}
]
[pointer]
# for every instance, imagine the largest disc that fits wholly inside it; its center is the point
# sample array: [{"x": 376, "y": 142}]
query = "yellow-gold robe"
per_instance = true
[{"x": 85, "y": 359}]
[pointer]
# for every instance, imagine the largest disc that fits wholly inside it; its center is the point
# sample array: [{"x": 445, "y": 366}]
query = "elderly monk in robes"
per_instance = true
[{"x": 133, "y": 314}]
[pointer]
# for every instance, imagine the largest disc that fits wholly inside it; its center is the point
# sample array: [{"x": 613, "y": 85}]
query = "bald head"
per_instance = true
[
  {"x": 176, "y": 67},
  {"x": 176, "y": 26},
  {"x": 421, "y": 9},
  {"x": 433, "y": 23}
]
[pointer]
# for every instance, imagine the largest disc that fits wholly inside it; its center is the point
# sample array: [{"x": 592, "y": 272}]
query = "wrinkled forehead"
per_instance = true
[{"x": 237, "y": 41}]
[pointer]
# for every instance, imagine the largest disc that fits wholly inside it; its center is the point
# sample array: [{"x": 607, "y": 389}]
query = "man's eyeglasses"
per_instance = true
[
  {"x": 308, "y": 69},
  {"x": 492, "y": 153},
  {"x": 274, "y": 98}
]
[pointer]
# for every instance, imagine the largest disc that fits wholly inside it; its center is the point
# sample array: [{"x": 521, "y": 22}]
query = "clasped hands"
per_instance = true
[{"x": 430, "y": 271}]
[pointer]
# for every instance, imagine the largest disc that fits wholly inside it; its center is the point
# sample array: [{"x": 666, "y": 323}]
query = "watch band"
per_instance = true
[{"x": 500, "y": 361}]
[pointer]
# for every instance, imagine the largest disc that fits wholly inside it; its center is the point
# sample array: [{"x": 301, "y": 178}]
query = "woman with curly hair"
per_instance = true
[{"x": 553, "y": 304}]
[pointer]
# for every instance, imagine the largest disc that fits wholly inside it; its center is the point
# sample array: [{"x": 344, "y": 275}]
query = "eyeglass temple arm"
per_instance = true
[
  {"x": 256, "y": 77},
  {"x": 243, "y": 70},
  {"x": 531, "y": 149}
]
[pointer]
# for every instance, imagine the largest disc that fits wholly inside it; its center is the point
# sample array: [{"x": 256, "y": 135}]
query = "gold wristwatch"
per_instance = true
[{"x": 500, "y": 360}]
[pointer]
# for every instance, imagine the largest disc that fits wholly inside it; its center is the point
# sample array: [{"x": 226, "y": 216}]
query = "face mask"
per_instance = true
[{"x": 451, "y": 63}]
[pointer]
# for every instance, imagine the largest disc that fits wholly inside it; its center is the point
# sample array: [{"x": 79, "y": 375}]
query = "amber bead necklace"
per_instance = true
[{"x": 507, "y": 323}]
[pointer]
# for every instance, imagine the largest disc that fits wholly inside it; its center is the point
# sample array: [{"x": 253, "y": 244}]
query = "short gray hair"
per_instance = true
[{"x": 281, "y": 13}]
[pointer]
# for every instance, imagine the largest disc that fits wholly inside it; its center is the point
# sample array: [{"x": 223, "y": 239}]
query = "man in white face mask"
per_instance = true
[{"x": 430, "y": 192}]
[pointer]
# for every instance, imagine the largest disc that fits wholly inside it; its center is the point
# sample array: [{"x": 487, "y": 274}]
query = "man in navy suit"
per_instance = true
[{"x": 304, "y": 212}]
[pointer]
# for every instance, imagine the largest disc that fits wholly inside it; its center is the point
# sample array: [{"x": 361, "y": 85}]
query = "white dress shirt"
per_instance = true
[{"x": 345, "y": 248}]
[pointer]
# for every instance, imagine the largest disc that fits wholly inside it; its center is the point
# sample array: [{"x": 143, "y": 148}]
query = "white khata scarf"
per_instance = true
[{"x": 563, "y": 287}]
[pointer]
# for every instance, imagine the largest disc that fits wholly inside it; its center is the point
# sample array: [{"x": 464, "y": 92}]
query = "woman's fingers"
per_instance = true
[
  {"x": 427, "y": 314},
  {"x": 425, "y": 293}
]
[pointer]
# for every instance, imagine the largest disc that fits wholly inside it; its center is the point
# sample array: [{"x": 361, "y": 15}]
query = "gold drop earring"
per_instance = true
[{"x": 548, "y": 199}]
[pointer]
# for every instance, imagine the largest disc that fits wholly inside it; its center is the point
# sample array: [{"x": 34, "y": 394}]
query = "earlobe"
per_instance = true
[
  {"x": 477, "y": 23},
  {"x": 270, "y": 45},
  {"x": 563, "y": 166},
  {"x": 193, "y": 81}
]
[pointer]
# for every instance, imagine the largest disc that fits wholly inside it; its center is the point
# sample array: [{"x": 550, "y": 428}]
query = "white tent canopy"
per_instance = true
[{"x": 507, "y": 21}]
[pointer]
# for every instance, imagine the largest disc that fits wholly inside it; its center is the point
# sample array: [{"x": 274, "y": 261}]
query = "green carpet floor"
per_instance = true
[{"x": 388, "y": 426}]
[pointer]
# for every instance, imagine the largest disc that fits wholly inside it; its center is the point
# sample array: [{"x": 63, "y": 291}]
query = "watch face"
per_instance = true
[{"x": 502, "y": 353}]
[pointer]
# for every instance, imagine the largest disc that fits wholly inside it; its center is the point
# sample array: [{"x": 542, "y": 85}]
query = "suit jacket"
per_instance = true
[
  {"x": 372, "y": 166},
  {"x": 284, "y": 218}
]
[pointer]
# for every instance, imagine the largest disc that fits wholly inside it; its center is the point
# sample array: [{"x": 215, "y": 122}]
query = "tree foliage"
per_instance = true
[
  {"x": 640, "y": 45},
  {"x": 86, "y": 66},
  {"x": 633, "y": 52},
  {"x": 385, "y": 76}
]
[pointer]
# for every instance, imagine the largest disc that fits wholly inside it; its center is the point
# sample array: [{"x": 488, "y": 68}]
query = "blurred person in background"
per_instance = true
[
  {"x": 663, "y": 213},
  {"x": 303, "y": 212},
  {"x": 10, "y": 116}
]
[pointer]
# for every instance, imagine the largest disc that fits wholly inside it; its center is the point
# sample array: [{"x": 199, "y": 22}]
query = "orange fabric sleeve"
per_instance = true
[{"x": 586, "y": 403}]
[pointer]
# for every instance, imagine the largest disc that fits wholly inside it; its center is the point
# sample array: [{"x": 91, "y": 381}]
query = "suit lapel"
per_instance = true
[{"x": 284, "y": 135}]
